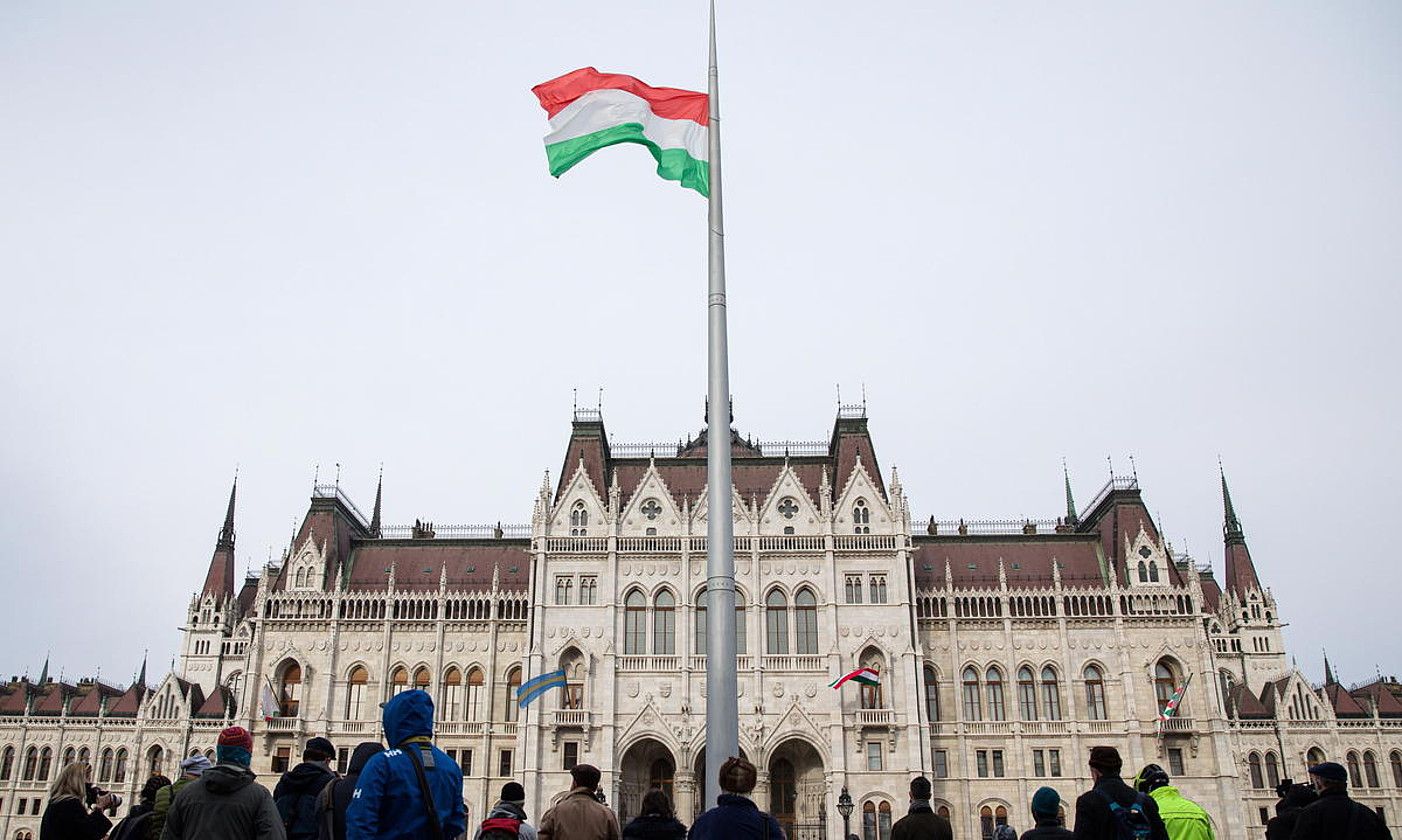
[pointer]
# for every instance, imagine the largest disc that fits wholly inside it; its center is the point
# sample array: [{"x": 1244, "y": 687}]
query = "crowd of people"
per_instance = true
[{"x": 413, "y": 791}]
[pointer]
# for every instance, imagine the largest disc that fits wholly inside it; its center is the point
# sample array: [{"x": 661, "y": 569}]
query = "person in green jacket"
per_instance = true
[
  {"x": 1184, "y": 818},
  {"x": 190, "y": 769}
]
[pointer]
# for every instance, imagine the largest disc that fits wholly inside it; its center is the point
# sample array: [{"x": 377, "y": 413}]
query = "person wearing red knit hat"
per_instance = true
[{"x": 223, "y": 803}]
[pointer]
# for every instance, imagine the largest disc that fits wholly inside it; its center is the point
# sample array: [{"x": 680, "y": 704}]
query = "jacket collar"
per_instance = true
[
  {"x": 735, "y": 800},
  {"x": 921, "y": 806}
]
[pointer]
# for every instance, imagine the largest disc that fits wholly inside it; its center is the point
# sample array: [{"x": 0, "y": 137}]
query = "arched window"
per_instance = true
[
  {"x": 46, "y": 764},
  {"x": 290, "y": 693},
  {"x": 861, "y": 517},
  {"x": 805, "y": 622},
  {"x": 1370, "y": 769},
  {"x": 1153, "y": 572},
  {"x": 932, "y": 693},
  {"x": 579, "y": 520},
  {"x": 1051, "y": 694},
  {"x": 451, "y": 705},
  {"x": 422, "y": 679},
  {"x": 1095, "y": 693},
  {"x": 883, "y": 820},
  {"x": 1026, "y": 693},
  {"x": 973, "y": 706},
  {"x": 1253, "y": 764},
  {"x": 84, "y": 756},
  {"x": 1225, "y": 681},
  {"x": 513, "y": 682},
  {"x": 1272, "y": 770},
  {"x": 31, "y": 763},
  {"x": 985, "y": 823},
  {"x": 119, "y": 769},
  {"x": 634, "y": 623},
  {"x": 154, "y": 759},
  {"x": 7, "y": 764},
  {"x": 475, "y": 681},
  {"x": 664, "y": 624},
  {"x": 235, "y": 684},
  {"x": 994, "y": 679},
  {"x": 943, "y": 811},
  {"x": 869, "y": 820},
  {"x": 698, "y": 636},
  {"x": 574, "y": 666},
  {"x": 776, "y": 623},
  {"x": 398, "y": 680},
  {"x": 871, "y": 696},
  {"x": 741, "y": 636},
  {"x": 355, "y": 693},
  {"x": 69, "y": 756},
  {"x": 1355, "y": 776},
  {"x": 1165, "y": 683},
  {"x": 876, "y": 820},
  {"x": 104, "y": 766},
  {"x": 1396, "y": 761},
  {"x": 1143, "y": 572}
]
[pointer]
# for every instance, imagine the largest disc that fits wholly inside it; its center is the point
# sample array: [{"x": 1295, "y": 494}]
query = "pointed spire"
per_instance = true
[
  {"x": 219, "y": 580},
  {"x": 375, "y": 514},
  {"x": 1328, "y": 672},
  {"x": 1241, "y": 572},
  {"x": 141, "y": 678},
  {"x": 226, "y": 534},
  {"x": 1071, "y": 517},
  {"x": 1231, "y": 526},
  {"x": 44, "y": 674}
]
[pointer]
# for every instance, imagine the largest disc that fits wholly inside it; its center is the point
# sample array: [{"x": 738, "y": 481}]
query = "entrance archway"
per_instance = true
[
  {"x": 797, "y": 790},
  {"x": 647, "y": 764}
]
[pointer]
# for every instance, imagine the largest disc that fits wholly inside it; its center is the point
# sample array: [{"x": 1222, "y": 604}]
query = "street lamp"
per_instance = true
[{"x": 844, "y": 807}]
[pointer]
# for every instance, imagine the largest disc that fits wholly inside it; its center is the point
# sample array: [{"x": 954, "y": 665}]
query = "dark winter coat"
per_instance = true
[
  {"x": 1287, "y": 811},
  {"x": 1335, "y": 815},
  {"x": 295, "y": 796},
  {"x": 1094, "y": 820},
  {"x": 735, "y": 817},
  {"x": 509, "y": 811},
  {"x": 70, "y": 819},
  {"x": 335, "y": 797},
  {"x": 155, "y": 826},
  {"x": 387, "y": 803},
  {"x": 654, "y": 827},
  {"x": 1047, "y": 829},
  {"x": 922, "y": 823},
  {"x": 224, "y": 804}
]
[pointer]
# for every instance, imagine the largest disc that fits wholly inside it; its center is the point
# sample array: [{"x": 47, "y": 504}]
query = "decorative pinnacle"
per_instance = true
[
  {"x": 226, "y": 534},
  {"x": 1328, "y": 672},
  {"x": 1071, "y": 518},
  {"x": 375, "y": 515},
  {"x": 1231, "y": 525}
]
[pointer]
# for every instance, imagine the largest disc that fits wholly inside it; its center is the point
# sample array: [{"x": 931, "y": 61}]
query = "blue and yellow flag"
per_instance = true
[{"x": 538, "y": 685}]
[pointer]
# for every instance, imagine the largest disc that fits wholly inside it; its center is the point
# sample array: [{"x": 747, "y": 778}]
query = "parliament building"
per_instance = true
[{"x": 1006, "y": 649}]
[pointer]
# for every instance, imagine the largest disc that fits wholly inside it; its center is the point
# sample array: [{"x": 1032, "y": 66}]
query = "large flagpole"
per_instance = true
[{"x": 722, "y": 706}]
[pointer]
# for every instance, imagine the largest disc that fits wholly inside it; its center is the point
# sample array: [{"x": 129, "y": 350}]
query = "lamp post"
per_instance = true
[{"x": 844, "y": 807}]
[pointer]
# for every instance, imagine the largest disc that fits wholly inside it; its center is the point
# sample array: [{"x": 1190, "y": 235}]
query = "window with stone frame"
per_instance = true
[
  {"x": 805, "y": 622},
  {"x": 1026, "y": 693},
  {"x": 1175, "y": 762},
  {"x": 476, "y": 690},
  {"x": 512, "y": 710},
  {"x": 852, "y": 589},
  {"x": 664, "y": 623},
  {"x": 932, "y": 693},
  {"x": 874, "y": 761},
  {"x": 973, "y": 704},
  {"x": 994, "y": 690},
  {"x": 776, "y": 623},
  {"x": 451, "y": 699},
  {"x": 1095, "y": 693},
  {"x": 878, "y": 589},
  {"x": 579, "y": 520},
  {"x": 634, "y": 623},
  {"x": 570, "y": 756},
  {"x": 588, "y": 590},
  {"x": 563, "y": 584},
  {"x": 1051, "y": 694},
  {"x": 861, "y": 517}
]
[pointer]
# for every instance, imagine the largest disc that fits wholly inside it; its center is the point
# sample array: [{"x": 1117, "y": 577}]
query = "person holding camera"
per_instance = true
[
  {"x": 1294, "y": 798},
  {"x": 70, "y": 814}
]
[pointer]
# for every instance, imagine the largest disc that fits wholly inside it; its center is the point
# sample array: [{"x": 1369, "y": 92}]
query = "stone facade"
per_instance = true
[{"x": 1006, "y": 650}]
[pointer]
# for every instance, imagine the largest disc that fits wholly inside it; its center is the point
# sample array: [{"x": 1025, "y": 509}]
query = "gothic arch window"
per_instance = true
[
  {"x": 741, "y": 636},
  {"x": 776, "y": 623},
  {"x": 290, "y": 690},
  {"x": 451, "y": 702},
  {"x": 1143, "y": 572},
  {"x": 7, "y": 764},
  {"x": 1396, "y": 761},
  {"x": 973, "y": 704},
  {"x": 31, "y": 763},
  {"x": 235, "y": 683},
  {"x": 475, "y": 682},
  {"x": 994, "y": 680},
  {"x": 1225, "y": 681},
  {"x": 579, "y": 520},
  {"x": 1165, "y": 682},
  {"x": 1051, "y": 694},
  {"x": 1026, "y": 693},
  {"x": 1095, "y": 693},
  {"x": 422, "y": 678},
  {"x": 871, "y": 696},
  {"x": 805, "y": 622},
  {"x": 1153, "y": 572},
  {"x": 699, "y": 640},
  {"x": 572, "y": 663},
  {"x": 84, "y": 756},
  {"x": 1272, "y": 770},
  {"x": 664, "y": 623},
  {"x": 398, "y": 680},
  {"x": 1253, "y": 765},
  {"x": 1355, "y": 776},
  {"x": 513, "y": 682},
  {"x": 932, "y": 693},
  {"x": 69, "y": 755},
  {"x": 119, "y": 769},
  {"x": 1370, "y": 769},
  {"x": 861, "y": 517},
  {"x": 155, "y": 758},
  {"x": 104, "y": 766},
  {"x": 356, "y": 684},
  {"x": 634, "y": 623},
  {"x": 876, "y": 820}
]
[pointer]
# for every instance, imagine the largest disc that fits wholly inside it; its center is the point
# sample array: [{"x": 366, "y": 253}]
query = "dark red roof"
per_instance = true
[
  {"x": 1246, "y": 704},
  {"x": 1345, "y": 706},
  {"x": 1241, "y": 572},
  {"x": 418, "y": 564},
  {"x": 130, "y": 702},
  {"x": 14, "y": 698},
  {"x": 1382, "y": 697},
  {"x": 89, "y": 702},
  {"x": 220, "y": 703},
  {"x": 1027, "y": 560},
  {"x": 753, "y": 477},
  {"x": 51, "y": 697},
  {"x": 1211, "y": 592}
]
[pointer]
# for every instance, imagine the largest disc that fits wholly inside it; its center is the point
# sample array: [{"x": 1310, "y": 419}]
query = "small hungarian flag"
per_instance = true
[
  {"x": 590, "y": 110},
  {"x": 1172, "y": 705},
  {"x": 865, "y": 676}
]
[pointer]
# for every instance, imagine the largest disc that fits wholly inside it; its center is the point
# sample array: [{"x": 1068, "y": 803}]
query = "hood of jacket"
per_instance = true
[
  {"x": 225, "y": 779},
  {"x": 408, "y": 714},
  {"x": 306, "y": 778},
  {"x": 508, "y": 810},
  {"x": 362, "y": 754}
]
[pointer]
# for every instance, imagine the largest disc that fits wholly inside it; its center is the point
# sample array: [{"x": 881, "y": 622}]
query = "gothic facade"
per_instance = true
[{"x": 1005, "y": 649}]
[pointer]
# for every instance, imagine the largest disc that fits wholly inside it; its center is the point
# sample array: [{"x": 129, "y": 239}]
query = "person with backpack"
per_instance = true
[
  {"x": 656, "y": 820},
  {"x": 224, "y": 803},
  {"x": 579, "y": 815},
  {"x": 1183, "y": 818},
  {"x": 1005, "y": 832},
  {"x": 1045, "y": 804},
  {"x": 190, "y": 769},
  {"x": 1334, "y": 814},
  {"x": 139, "y": 817},
  {"x": 297, "y": 791},
  {"x": 1111, "y": 809},
  {"x": 921, "y": 823},
  {"x": 507, "y": 819},
  {"x": 412, "y": 791},
  {"x": 331, "y": 803},
  {"x": 736, "y": 817}
]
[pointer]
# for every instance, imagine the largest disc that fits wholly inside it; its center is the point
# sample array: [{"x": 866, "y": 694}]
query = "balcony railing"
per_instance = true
[
  {"x": 988, "y": 727},
  {"x": 1179, "y": 724},
  {"x": 462, "y": 727},
  {"x": 743, "y": 662},
  {"x": 649, "y": 663},
  {"x": 571, "y": 717},
  {"x": 866, "y": 542},
  {"x": 1102, "y": 727},
  {"x": 875, "y": 717},
  {"x": 791, "y": 543},
  {"x": 355, "y": 727},
  {"x": 287, "y": 724},
  {"x": 577, "y": 545},
  {"x": 794, "y": 662},
  {"x": 1044, "y": 727}
]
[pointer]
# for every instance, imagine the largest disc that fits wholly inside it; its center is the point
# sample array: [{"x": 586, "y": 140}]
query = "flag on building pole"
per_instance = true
[
  {"x": 865, "y": 676},
  {"x": 1171, "y": 707},
  {"x": 267, "y": 702},
  {"x": 538, "y": 685}
]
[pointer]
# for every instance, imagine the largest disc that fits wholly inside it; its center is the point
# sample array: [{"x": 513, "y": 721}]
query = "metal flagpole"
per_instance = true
[{"x": 722, "y": 706}]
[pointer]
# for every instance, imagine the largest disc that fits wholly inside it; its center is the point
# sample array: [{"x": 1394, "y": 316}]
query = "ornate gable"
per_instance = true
[
  {"x": 788, "y": 509},
  {"x": 861, "y": 506},
  {"x": 580, "y": 497},
  {"x": 651, "y": 509}
]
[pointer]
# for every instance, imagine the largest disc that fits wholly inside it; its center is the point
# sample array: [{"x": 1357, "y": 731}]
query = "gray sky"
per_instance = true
[{"x": 273, "y": 234}]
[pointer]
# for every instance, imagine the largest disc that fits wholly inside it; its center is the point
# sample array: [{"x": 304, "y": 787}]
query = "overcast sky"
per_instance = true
[{"x": 274, "y": 235}]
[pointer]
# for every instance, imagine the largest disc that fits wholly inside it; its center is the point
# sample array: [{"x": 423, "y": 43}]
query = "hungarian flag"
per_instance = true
[
  {"x": 865, "y": 676},
  {"x": 590, "y": 110},
  {"x": 1172, "y": 705}
]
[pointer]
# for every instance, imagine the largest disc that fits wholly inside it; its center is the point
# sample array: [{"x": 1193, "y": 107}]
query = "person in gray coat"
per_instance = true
[{"x": 224, "y": 803}]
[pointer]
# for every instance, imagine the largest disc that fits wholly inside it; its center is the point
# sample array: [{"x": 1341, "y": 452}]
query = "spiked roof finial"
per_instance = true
[
  {"x": 1328, "y": 672},
  {"x": 1231, "y": 525},
  {"x": 141, "y": 678},
  {"x": 1071, "y": 518},
  {"x": 375, "y": 514},
  {"x": 226, "y": 534}
]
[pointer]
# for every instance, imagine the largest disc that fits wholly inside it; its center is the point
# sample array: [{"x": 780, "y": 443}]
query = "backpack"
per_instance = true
[
  {"x": 500, "y": 828},
  {"x": 300, "y": 816},
  {"x": 131, "y": 827},
  {"x": 1131, "y": 823}
]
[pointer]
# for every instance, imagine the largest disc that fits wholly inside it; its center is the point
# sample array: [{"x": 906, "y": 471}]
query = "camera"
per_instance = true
[{"x": 95, "y": 793}]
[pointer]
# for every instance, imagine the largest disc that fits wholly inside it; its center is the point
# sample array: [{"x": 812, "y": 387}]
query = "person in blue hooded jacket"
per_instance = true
[{"x": 387, "y": 803}]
